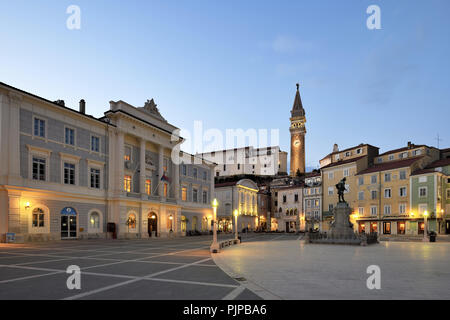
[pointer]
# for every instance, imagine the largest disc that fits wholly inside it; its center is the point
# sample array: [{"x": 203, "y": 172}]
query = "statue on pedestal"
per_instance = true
[{"x": 340, "y": 186}]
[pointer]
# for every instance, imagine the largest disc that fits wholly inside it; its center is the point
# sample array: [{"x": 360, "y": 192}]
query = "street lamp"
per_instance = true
[
  {"x": 171, "y": 222},
  {"x": 425, "y": 216},
  {"x": 236, "y": 213},
  {"x": 214, "y": 246}
]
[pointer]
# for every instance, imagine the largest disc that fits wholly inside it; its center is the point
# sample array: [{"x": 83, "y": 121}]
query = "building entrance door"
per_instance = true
[
  {"x": 287, "y": 226},
  {"x": 68, "y": 227},
  {"x": 152, "y": 225},
  {"x": 447, "y": 226}
]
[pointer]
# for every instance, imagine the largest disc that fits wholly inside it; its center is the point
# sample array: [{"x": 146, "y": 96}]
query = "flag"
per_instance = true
[{"x": 165, "y": 178}]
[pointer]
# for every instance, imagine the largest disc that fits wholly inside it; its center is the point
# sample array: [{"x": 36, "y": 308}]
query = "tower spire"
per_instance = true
[{"x": 297, "y": 108}]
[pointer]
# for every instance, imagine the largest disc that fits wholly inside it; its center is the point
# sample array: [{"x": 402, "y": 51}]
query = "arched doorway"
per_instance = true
[
  {"x": 152, "y": 224},
  {"x": 68, "y": 223}
]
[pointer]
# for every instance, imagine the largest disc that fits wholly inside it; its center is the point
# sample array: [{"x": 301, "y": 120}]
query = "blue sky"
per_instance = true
[{"x": 234, "y": 64}]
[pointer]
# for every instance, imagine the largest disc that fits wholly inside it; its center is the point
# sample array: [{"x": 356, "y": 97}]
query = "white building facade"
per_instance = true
[
  {"x": 255, "y": 161},
  {"x": 68, "y": 175}
]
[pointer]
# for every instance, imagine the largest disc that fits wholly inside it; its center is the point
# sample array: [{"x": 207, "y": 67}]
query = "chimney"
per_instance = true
[
  {"x": 82, "y": 106},
  {"x": 335, "y": 148},
  {"x": 60, "y": 102},
  {"x": 409, "y": 145}
]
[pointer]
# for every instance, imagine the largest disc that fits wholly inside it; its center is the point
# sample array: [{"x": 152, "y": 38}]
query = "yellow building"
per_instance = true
[
  {"x": 383, "y": 190},
  {"x": 343, "y": 164}
]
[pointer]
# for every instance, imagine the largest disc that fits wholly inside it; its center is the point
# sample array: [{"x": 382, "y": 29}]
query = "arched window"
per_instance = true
[
  {"x": 295, "y": 211},
  {"x": 287, "y": 212},
  {"x": 281, "y": 210},
  {"x": 94, "y": 223},
  {"x": 183, "y": 224},
  {"x": 131, "y": 221},
  {"x": 38, "y": 218},
  {"x": 291, "y": 212}
]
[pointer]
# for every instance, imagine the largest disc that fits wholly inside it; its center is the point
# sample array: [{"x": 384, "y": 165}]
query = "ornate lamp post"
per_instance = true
[
  {"x": 236, "y": 213},
  {"x": 214, "y": 246},
  {"x": 425, "y": 227}
]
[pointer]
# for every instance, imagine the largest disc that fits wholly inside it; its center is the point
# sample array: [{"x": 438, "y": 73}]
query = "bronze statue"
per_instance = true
[{"x": 341, "y": 189}]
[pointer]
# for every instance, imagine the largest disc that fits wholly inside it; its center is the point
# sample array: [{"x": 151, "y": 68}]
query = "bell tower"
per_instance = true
[{"x": 298, "y": 132}]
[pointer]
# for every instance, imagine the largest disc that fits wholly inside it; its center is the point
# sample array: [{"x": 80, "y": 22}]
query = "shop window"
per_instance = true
[{"x": 386, "y": 227}]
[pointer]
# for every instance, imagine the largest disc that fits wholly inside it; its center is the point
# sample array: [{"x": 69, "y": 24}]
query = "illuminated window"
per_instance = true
[
  {"x": 127, "y": 153},
  {"x": 184, "y": 193},
  {"x": 148, "y": 186},
  {"x": 38, "y": 218},
  {"x": 165, "y": 189},
  {"x": 131, "y": 222},
  {"x": 401, "y": 227},
  {"x": 127, "y": 183},
  {"x": 94, "y": 221}
]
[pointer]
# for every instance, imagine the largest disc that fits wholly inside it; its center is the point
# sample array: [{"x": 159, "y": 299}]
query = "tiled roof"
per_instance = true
[
  {"x": 402, "y": 149},
  {"x": 390, "y": 165},
  {"x": 439, "y": 163},
  {"x": 351, "y": 148},
  {"x": 432, "y": 166},
  {"x": 334, "y": 164}
]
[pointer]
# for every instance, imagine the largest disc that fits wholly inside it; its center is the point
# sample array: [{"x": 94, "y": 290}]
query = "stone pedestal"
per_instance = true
[{"x": 341, "y": 226}]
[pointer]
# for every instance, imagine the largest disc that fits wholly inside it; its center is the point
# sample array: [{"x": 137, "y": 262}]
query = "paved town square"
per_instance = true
[
  {"x": 264, "y": 266},
  {"x": 293, "y": 270},
  {"x": 114, "y": 269}
]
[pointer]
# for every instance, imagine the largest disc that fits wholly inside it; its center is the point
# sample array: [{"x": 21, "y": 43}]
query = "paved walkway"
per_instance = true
[
  {"x": 118, "y": 269},
  {"x": 291, "y": 270}
]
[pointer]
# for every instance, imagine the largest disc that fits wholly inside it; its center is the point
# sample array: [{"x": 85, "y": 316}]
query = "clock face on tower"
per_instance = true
[{"x": 296, "y": 143}]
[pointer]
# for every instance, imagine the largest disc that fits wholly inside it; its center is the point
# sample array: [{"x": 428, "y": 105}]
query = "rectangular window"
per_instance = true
[
  {"x": 148, "y": 186},
  {"x": 361, "y": 195},
  {"x": 184, "y": 193},
  {"x": 70, "y": 136},
  {"x": 373, "y": 210},
  {"x": 205, "y": 197},
  {"x": 183, "y": 170},
  {"x": 361, "y": 211},
  {"x": 194, "y": 173},
  {"x": 403, "y": 175},
  {"x": 360, "y": 181},
  {"x": 387, "y": 193},
  {"x": 38, "y": 169},
  {"x": 373, "y": 179},
  {"x": 402, "y": 208},
  {"x": 239, "y": 166},
  {"x": 95, "y": 178},
  {"x": 448, "y": 194},
  {"x": 422, "y": 191},
  {"x": 95, "y": 144},
  {"x": 317, "y": 203},
  {"x": 387, "y": 209},
  {"x": 330, "y": 175},
  {"x": 346, "y": 172},
  {"x": 127, "y": 154},
  {"x": 402, "y": 192},
  {"x": 205, "y": 175},
  {"x": 127, "y": 183},
  {"x": 391, "y": 157},
  {"x": 284, "y": 198},
  {"x": 387, "y": 177},
  {"x": 422, "y": 208},
  {"x": 296, "y": 197},
  {"x": 39, "y": 127},
  {"x": 417, "y": 152},
  {"x": 373, "y": 194},
  {"x": 194, "y": 195},
  {"x": 330, "y": 207},
  {"x": 69, "y": 173},
  {"x": 330, "y": 191}
]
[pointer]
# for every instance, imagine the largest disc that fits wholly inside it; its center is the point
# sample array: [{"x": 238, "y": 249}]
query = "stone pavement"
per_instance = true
[
  {"x": 292, "y": 270},
  {"x": 156, "y": 269}
]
